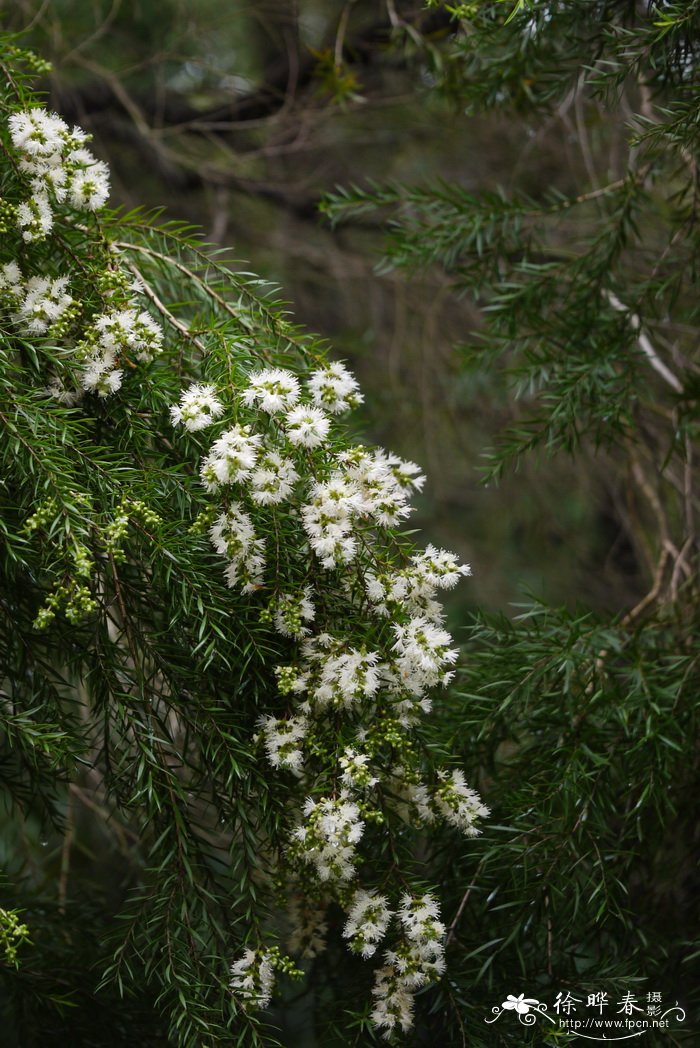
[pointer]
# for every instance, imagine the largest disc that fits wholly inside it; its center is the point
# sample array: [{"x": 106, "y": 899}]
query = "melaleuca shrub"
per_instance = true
[{"x": 232, "y": 633}]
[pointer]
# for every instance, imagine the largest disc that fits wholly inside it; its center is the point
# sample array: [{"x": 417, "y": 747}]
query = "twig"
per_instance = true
[
  {"x": 162, "y": 308},
  {"x": 645, "y": 344}
]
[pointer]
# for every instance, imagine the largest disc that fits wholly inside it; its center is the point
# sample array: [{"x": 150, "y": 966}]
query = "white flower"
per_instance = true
[
  {"x": 328, "y": 519},
  {"x": 99, "y": 374},
  {"x": 307, "y": 426},
  {"x": 281, "y": 738},
  {"x": 460, "y": 805},
  {"x": 368, "y": 919},
  {"x": 55, "y": 160},
  {"x": 273, "y": 479},
  {"x": 253, "y": 979},
  {"x": 346, "y": 677},
  {"x": 37, "y": 133},
  {"x": 273, "y": 390},
  {"x": 35, "y": 217},
  {"x": 45, "y": 300},
  {"x": 384, "y": 481},
  {"x": 423, "y": 651},
  {"x": 393, "y": 1002},
  {"x": 233, "y": 536},
  {"x": 334, "y": 389},
  {"x": 292, "y": 611},
  {"x": 199, "y": 407},
  {"x": 232, "y": 458},
  {"x": 126, "y": 331},
  {"x": 11, "y": 279},
  {"x": 328, "y": 839},
  {"x": 355, "y": 769},
  {"x": 88, "y": 187}
]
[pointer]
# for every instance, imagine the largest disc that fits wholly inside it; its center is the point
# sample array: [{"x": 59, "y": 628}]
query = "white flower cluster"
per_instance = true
[
  {"x": 329, "y": 519},
  {"x": 110, "y": 337},
  {"x": 253, "y": 978},
  {"x": 273, "y": 390},
  {"x": 232, "y": 458},
  {"x": 423, "y": 650},
  {"x": 413, "y": 589},
  {"x": 45, "y": 300},
  {"x": 458, "y": 803},
  {"x": 328, "y": 838},
  {"x": 281, "y": 738},
  {"x": 374, "y": 679},
  {"x": 292, "y": 611},
  {"x": 384, "y": 482},
  {"x": 418, "y": 960},
  {"x": 335, "y": 389},
  {"x": 58, "y": 167},
  {"x": 342, "y": 676},
  {"x": 356, "y": 770},
  {"x": 273, "y": 479},
  {"x": 37, "y": 303},
  {"x": 233, "y": 536},
  {"x": 199, "y": 406},
  {"x": 368, "y": 919}
]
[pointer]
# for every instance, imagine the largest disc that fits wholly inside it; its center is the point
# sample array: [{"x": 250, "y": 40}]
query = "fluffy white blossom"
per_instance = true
[
  {"x": 253, "y": 979},
  {"x": 281, "y": 738},
  {"x": 273, "y": 479},
  {"x": 38, "y": 135},
  {"x": 384, "y": 481},
  {"x": 328, "y": 519},
  {"x": 273, "y": 390},
  {"x": 11, "y": 279},
  {"x": 334, "y": 389},
  {"x": 394, "y": 1004},
  {"x": 35, "y": 217},
  {"x": 356, "y": 770},
  {"x": 328, "y": 837},
  {"x": 346, "y": 677},
  {"x": 368, "y": 919},
  {"x": 292, "y": 611},
  {"x": 88, "y": 184},
  {"x": 306, "y": 426},
  {"x": 58, "y": 165},
  {"x": 100, "y": 374},
  {"x": 199, "y": 406},
  {"x": 411, "y": 798},
  {"x": 232, "y": 458},
  {"x": 458, "y": 803},
  {"x": 233, "y": 536},
  {"x": 423, "y": 652},
  {"x": 412, "y": 590},
  {"x": 43, "y": 302},
  {"x": 126, "y": 331}
]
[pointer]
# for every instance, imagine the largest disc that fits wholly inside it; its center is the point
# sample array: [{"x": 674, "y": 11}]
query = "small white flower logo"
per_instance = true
[{"x": 520, "y": 1004}]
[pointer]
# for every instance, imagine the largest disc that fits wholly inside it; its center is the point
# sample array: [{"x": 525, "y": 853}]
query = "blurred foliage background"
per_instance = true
[{"x": 241, "y": 118}]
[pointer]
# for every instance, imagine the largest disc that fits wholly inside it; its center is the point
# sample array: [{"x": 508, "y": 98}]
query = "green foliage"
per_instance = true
[
  {"x": 140, "y": 686},
  {"x": 584, "y": 727}
]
